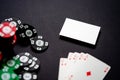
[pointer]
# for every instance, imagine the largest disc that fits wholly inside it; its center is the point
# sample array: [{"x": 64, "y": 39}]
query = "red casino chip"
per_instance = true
[
  {"x": 1, "y": 56},
  {"x": 7, "y": 29},
  {"x": 14, "y": 39}
]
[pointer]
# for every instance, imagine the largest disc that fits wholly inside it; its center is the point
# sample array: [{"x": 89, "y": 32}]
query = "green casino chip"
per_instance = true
[
  {"x": 6, "y": 69},
  {"x": 8, "y": 75},
  {"x": 12, "y": 64}
]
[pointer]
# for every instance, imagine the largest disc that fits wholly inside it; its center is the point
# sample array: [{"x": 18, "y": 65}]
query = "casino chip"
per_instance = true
[
  {"x": 1, "y": 56},
  {"x": 15, "y": 21},
  {"x": 28, "y": 76},
  {"x": 8, "y": 75},
  {"x": 38, "y": 44},
  {"x": 14, "y": 39},
  {"x": 27, "y": 31},
  {"x": 25, "y": 58},
  {"x": 34, "y": 65},
  {"x": 7, "y": 30},
  {"x": 13, "y": 64}
]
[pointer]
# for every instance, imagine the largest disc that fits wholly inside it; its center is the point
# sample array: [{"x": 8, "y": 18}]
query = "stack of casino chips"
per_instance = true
[
  {"x": 23, "y": 66},
  {"x": 12, "y": 30},
  {"x": 7, "y": 33},
  {"x": 28, "y": 34}
]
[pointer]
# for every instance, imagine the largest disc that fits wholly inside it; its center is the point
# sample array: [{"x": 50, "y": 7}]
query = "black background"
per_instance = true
[{"x": 48, "y": 17}]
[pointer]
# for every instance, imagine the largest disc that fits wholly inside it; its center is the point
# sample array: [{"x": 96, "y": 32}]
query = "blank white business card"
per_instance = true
[{"x": 80, "y": 31}]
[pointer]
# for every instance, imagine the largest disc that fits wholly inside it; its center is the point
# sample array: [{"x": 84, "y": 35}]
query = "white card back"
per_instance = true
[{"x": 80, "y": 31}]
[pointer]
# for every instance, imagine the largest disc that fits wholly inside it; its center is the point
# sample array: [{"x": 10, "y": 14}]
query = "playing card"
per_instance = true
[
  {"x": 73, "y": 56},
  {"x": 82, "y": 66},
  {"x": 95, "y": 68},
  {"x": 62, "y": 68},
  {"x": 89, "y": 68},
  {"x": 80, "y": 31},
  {"x": 71, "y": 61},
  {"x": 71, "y": 73}
]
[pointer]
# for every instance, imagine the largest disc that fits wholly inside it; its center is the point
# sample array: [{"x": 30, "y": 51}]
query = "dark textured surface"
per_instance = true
[{"x": 48, "y": 17}]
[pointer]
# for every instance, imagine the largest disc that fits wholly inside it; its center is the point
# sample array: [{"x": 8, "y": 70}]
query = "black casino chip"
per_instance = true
[
  {"x": 38, "y": 43},
  {"x": 27, "y": 31},
  {"x": 35, "y": 65},
  {"x": 25, "y": 58},
  {"x": 28, "y": 76}
]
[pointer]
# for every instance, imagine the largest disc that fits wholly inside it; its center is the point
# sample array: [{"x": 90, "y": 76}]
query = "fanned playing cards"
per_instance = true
[{"x": 82, "y": 66}]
